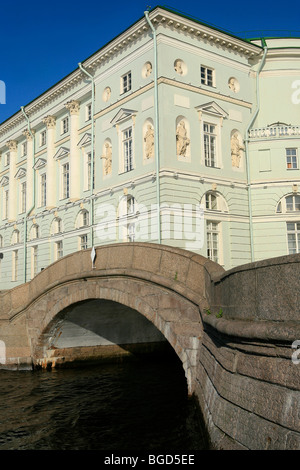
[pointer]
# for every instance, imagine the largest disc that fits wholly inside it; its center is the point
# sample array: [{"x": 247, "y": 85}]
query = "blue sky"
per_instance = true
[{"x": 42, "y": 42}]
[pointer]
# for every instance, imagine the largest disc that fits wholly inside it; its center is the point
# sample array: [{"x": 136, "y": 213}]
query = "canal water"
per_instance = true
[{"x": 139, "y": 405}]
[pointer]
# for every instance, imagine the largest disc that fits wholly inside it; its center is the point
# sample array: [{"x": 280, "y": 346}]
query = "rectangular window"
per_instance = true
[
  {"x": 293, "y": 237},
  {"x": 210, "y": 139},
  {"x": 23, "y": 197},
  {"x": 24, "y": 149},
  {"x": 131, "y": 232},
  {"x": 7, "y": 159},
  {"x": 212, "y": 234},
  {"x": 207, "y": 76},
  {"x": 126, "y": 82},
  {"x": 127, "y": 149},
  {"x": 43, "y": 189},
  {"x": 34, "y": 261},
  {"x": 5, "y": 204},
  {"x": 83, "y": 242},
  {"x": 15, "y": 265},
  {"x": 65, "y": 125},
  {"x": 66, "y": 180},
  {"x": 43, "y": 138},
  {"x": 291, "y": 159},
  {"x": 88, "y": 112},
  {"x": 59, "y": 249}
]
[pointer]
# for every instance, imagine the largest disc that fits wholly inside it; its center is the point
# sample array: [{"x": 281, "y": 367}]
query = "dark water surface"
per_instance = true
[{"x": 140, "y": 405}]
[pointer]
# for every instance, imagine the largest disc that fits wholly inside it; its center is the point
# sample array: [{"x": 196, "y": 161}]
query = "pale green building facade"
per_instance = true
[{"x": 175, "y": 133}]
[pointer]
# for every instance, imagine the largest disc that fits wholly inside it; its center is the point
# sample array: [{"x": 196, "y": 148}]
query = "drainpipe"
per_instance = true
[
  {"x": 247, "y": 149},
  {"x": 33, "y": 204},
  {"x": 156, "y": 135},
  {"x": 93, "y": 152}
]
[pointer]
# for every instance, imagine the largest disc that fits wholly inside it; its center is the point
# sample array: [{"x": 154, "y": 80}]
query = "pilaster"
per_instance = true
[
  {"x": 73, "y": 107},
  {"x": 50, "y": 122},
  {"x": 12, "y": 202},
  {"x": 30, "y": 169}
]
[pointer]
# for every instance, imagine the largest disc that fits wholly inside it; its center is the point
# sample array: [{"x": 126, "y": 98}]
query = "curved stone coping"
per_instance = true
[
  {"x": 266, "y": 263},
  {"x": 260, "y": 330},
  {"x": 183, "y": 272}
]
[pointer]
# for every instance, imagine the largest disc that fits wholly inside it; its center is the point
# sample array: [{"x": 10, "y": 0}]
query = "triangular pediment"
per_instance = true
[
  {"x": 122, "y": 115},
  {"x": 85, "y": 140},
  {"x": 20, "y": 173},
  {"x": 213, "y": 109},
  {"x": 40, "y": 163},
  {"x": 61, "y": 153},
  {"x": 4, "y": 180}
]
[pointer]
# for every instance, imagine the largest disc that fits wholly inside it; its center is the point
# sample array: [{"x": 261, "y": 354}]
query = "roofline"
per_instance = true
[{"x": 115, "y": 39}]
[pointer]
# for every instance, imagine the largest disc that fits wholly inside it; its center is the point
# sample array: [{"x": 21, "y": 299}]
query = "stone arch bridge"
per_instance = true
[{"x": 234, "y": 331}]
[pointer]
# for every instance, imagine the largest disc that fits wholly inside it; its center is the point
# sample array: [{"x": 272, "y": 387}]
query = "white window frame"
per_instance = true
[
  {"x": 127, "y": 149},
  {"x": 7, "y": 159},
  {"x": 210, "y": 151},
  {"x": 34, "y": 261},
  {"x": 291, "y": 159},
  {"x": 59, "y": 249},
  {"x": 65, "y": 180},
  {"x": 83, "y": 242},
  {"x": 24, "y": 149},
  {"x": 43, "y": 138},
  {"x": 15, "y": 262},
  {"x": 43, "y": 189},
  {"x": 214, "y": 227},
  {"x": 126, "y": 82},
  {"x": 88, "y": 112},
  {"x": 5, "y": 203},
  {"x": 23, "y": 193},
  {"x": 284, "y": 206},
  {"x": 207, "y": 76},
  {"x": 64, "y": 125},
  {"x": 295, "y": 233}
]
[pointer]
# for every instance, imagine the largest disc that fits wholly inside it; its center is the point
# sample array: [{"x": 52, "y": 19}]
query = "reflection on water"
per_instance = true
[{"x": 138, "y": 405}]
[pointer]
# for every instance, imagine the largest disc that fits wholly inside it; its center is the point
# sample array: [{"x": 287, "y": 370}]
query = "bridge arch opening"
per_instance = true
[{"x": 98, "y": 330}]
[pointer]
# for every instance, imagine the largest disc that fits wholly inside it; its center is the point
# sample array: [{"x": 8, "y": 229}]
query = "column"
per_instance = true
[
  {"x": 30, "y": 171},
  {"x": 73, "y": 107},
  {"x": 51, "y": 163},
  {"x": 12, "y": 202}
]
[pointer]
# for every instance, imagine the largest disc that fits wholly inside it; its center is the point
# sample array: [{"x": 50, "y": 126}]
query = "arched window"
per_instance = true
[
  {"x": 82, "y": 219},
  {"x": 34, "y": 232},
  {"x": 15, "y": 237},
  {"x": 57, "y": 226},
  {"x": 290, "y": 203}
]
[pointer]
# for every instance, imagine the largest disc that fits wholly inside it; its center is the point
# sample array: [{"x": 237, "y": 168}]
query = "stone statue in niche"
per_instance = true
[
  {"x": 178, "y": 67},
  {"x": 107, "y": 157},
  {"x": 149, "y": 142},
  {"x": 236, "y": 150},
  {"x": 233, "y": 84},
  {"x": 182, "y": 141},
  {"x": 148, "y": 69},
  {"x": 106, "y": 94}
]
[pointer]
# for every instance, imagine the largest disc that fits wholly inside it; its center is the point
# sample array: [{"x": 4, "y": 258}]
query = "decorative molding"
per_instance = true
[
  {"x": 28, "y": 134},
  {"x": 85, "y": 140},
  {"x": 122, "y": 115},
  {"x": 49, "y": 121},
  {"x": 12, "y": 145},
  {"x": 4, "y": 181},
  {"x": 61, "y": 153},
  {"x": 73, "y": 106},
  {"x": 20, "y": 173},
  {"x": 40, "y": 163}
]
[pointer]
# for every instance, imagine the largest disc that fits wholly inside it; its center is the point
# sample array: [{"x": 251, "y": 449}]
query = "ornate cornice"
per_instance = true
[{"x": 160, "y": 17}]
